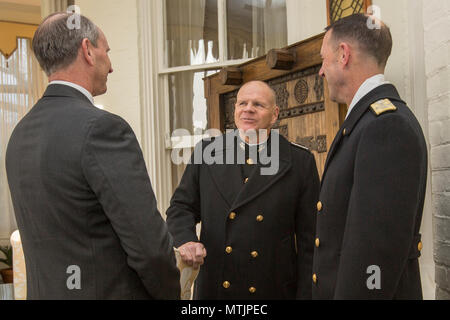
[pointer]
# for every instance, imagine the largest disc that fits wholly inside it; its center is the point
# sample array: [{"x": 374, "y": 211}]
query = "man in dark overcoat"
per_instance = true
[
  {"x": 373, "y": 187},
  {"x": 255, "y": 199}
]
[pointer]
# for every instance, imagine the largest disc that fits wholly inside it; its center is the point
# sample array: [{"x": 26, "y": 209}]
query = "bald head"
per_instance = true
[
  {"x": 262, "y": 86},
  {"x": 57, "y": 40},
  {"x": 255, "y": 107}
]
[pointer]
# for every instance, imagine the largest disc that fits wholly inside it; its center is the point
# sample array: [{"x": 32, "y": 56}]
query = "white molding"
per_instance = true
[
  {"x": 223, "y": 30},
  {"x": 202, "y": 67},
  {"x": 155, "y": 112}
]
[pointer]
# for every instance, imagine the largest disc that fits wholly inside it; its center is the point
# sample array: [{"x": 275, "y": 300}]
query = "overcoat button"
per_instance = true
[
  {"x": 226, "y": 284},
  {"x": 319, "y": 206}
]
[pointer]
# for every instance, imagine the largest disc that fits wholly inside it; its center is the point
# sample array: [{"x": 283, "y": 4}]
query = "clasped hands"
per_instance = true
[{"x": 193, "y": 254}]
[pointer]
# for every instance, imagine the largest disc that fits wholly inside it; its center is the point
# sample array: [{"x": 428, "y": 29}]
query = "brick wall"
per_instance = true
[{"x": 436, "y": 17}]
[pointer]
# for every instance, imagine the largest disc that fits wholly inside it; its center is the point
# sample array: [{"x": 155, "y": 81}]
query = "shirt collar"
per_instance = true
[
  {"x": 75, "y": 86},
  {"x": 367, "y": 86}
]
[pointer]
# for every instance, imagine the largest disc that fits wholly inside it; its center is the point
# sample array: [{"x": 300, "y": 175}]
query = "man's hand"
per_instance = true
[{"x": 193, "y": 254}]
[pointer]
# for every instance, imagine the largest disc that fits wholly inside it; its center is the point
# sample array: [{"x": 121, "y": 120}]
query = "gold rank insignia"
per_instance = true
[{"x": 383, "y": 106}]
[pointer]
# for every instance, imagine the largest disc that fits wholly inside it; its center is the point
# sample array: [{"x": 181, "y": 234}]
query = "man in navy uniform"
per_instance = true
[
  {"x": 373, "y": 187},
  {"x": 258, "y": 226}
]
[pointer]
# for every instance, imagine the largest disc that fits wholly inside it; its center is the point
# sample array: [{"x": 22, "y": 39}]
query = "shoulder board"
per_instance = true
[
  {"x": 383, "y": 106},
  {"x": 300, "y": 146}
]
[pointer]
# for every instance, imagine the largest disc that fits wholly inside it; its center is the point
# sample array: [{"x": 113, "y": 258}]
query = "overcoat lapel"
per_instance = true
[
  {"x": 259, "y": 183},
  {"x": 228, "y": 178},
  {"x": 382, "y": 92}
]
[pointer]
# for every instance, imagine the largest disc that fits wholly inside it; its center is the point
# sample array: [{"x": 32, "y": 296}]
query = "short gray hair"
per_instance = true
[
  {"x": 376, "y": 42},
  {"x": 55, "y": 45}
]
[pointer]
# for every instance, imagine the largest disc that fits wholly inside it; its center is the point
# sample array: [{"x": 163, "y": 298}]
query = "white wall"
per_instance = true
[
  {"x": 305, "y": 18},
  {"x": 436, "y": 18},
  {"x": 118, "y": 20}
]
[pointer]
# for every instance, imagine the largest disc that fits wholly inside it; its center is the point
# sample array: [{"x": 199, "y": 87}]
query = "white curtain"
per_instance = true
[
  {"x": 275, "y": 24},
  {"x": 21, "y": 84},
  {"x": 50, "y": 6}
]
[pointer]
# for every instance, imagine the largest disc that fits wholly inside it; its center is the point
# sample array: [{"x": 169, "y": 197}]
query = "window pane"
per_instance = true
[
  {"x": 188, "y": 112},
  {"x": 255, "y": 27},
  {"x": 191, "y": 32},
  {"x": 187, "y": 101}
]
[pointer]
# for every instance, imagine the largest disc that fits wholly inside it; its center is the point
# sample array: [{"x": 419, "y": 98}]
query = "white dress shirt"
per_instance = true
[
  {"x": 75, "y": 86},
  {"x": 365, "y": 88}
]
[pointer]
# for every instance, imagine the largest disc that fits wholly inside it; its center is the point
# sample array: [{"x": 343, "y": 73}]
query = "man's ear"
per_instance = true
[
  {"x": 86, "y": 49},
  {"x": 276, "y": 114},
  {"x": 344, "y": 53}
]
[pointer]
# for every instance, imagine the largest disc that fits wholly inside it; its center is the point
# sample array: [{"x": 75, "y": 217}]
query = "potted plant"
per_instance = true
[{"x": 7, "y": 274}]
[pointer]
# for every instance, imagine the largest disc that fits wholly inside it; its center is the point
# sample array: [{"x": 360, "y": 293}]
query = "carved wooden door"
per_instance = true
[{"x": 307, "y": 115}]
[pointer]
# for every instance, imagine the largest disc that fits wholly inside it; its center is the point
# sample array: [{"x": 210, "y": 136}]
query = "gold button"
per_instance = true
[
  {"x": 319, "y": 206},
  {"x": 344, "y": 132},
  {"x": 250, "y": 162},
  {"x": 232, "y": 216},
  {"x": 314, "y": 278},
  {"x": 420, "y": 246},
  {"x": 229, "y": 250},
  {"x": 226, "y": 284},
  {"x": 252, "y": 289},
  {"x": 246, "y": 180},
  {"x": 259, "y": 218},
  {"x": 254, "y": 254},
  {"x": 317, "y": 242}
]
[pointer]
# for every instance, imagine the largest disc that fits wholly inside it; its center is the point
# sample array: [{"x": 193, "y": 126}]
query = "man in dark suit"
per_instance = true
[
  {"x": 82, "y": 197},
  {"x": 373, "y": 187},
  {"x": 254, "y": 194}
]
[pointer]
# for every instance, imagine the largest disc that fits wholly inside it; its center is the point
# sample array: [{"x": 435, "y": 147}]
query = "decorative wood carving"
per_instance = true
[
  {"x": 301, "y": 91},
  {"x": 282, "y": 95},
  {"x": 318, "y": 144}
]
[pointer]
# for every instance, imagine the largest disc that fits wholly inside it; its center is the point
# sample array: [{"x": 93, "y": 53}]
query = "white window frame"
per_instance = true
[{"x": 164, "y": 71}]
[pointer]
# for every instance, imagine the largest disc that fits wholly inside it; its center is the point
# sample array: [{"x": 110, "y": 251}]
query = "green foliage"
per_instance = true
[{"x": 8, "y": 253}]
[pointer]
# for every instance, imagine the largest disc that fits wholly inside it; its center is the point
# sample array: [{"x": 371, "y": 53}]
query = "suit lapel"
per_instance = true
[{"x": 381, "y": 92}]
